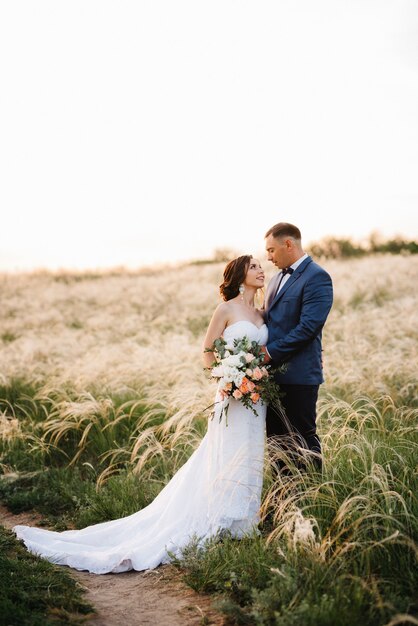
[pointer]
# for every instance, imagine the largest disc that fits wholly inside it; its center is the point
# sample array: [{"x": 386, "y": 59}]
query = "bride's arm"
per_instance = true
[{"x": 215, "y": 329}]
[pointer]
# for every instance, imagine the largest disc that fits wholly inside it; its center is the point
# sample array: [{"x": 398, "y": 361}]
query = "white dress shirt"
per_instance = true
[{"x": 294, "y": 266}]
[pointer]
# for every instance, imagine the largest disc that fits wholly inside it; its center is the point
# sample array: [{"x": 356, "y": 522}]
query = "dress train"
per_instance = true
[{"x": 218, "y": 488}]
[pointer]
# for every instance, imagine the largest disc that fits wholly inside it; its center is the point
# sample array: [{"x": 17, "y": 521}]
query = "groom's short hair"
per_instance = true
[{"x": 284, "y": 229}]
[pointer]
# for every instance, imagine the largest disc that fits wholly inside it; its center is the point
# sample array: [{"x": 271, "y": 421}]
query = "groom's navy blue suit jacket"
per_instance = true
[{"x": 295, "y": 317}]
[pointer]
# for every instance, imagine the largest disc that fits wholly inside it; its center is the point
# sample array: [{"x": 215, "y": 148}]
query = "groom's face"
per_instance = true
[{"x": 278, "y": 251}]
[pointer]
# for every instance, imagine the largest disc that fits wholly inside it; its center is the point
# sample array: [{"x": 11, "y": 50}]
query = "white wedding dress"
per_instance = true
[{"x": 218, "y": 488}]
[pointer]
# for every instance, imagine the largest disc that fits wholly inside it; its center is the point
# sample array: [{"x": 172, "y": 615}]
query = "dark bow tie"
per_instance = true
[{"x": 287, "y": 270}]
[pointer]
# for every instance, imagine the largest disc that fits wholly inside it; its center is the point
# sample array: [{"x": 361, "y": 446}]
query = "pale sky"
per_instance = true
[{"x": 140, "y": 132}]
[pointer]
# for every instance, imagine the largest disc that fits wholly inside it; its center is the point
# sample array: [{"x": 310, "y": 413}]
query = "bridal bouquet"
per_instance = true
[{"x": 242, "y": 375}]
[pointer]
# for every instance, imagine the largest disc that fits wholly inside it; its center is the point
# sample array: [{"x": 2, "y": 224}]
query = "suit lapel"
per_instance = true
[
  {"x": 271, "y": 290},
  {"x": 290, "y": 281}
]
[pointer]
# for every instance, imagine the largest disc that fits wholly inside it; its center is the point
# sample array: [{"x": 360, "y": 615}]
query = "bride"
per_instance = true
[{"x": 217, "y": 489}]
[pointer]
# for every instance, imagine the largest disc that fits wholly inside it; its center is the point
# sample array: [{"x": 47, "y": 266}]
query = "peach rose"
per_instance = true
[
  {"x": 237, "y": 394},
  {"x": 255, "y": 397},
  {"x": 257, "y": 373},
  {"x": 250, "y": 386}
]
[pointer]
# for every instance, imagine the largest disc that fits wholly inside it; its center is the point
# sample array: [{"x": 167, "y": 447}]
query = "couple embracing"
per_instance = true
[{"x": 219, "y": 488}]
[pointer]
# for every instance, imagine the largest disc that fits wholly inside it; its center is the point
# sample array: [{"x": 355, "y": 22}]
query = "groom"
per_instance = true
[{"x": 297, "y": 304}]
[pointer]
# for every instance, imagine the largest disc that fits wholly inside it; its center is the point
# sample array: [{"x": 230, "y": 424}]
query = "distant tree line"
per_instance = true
[
  {"x": 332, "y": 248},
  {"x": 336, "y": 248}
]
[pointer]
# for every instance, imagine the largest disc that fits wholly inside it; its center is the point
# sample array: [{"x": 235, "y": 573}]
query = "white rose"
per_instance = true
[
  {"x": 218, "y": 371},
  {"x": 227, "y": 374},
  {"x": 233, "y": 360},
  {"x": 238, "y": 379}
]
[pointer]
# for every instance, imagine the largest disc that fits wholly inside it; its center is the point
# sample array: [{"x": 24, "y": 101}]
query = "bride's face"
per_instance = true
[{"x": 255, "y": 275}]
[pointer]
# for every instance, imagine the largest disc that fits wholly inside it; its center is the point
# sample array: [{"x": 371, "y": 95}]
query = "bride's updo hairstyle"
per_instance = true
[{"x": 234, "y": 274}]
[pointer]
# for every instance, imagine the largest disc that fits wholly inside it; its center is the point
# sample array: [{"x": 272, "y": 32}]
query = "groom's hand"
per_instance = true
[{"x": 266, "y": 355}]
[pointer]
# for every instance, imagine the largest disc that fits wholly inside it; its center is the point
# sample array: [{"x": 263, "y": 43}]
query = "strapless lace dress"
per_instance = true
[{"x": 218, "y": 488}]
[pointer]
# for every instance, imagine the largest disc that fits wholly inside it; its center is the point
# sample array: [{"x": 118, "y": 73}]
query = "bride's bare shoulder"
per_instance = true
[
  {"x": 224, "y": 313},
  {"x": 221, "y": 310},
  {"x": 226, "y": 308},
  {"x": 221, "y": 314}
]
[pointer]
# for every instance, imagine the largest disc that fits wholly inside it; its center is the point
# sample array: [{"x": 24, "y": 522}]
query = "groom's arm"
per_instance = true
[{"x": 316, "y": 304}]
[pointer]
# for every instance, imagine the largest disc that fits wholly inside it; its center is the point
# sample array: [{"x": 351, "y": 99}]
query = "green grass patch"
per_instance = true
[
  {"x": 33, "y": 592},
  {"x": 69, "y": 498},
  {"x": 8, "y": 337},
  {"x": 120, "y": 496},
  {"x": 17, "y": 399},
  {"x": 57, "y": 493},
  {"x": 268, "y": 583}
]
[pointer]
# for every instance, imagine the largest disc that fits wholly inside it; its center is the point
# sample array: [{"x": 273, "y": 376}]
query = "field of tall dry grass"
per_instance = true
[
  {"x": 145, "y": 330},
  {"x": 102, "y": 374}
]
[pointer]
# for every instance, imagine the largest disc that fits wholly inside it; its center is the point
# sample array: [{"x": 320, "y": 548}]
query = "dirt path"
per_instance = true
[{"x": 156, "y": 597}]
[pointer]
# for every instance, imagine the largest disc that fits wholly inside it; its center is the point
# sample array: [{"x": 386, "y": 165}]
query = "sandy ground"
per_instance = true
[{"x": 156, "y": 597}]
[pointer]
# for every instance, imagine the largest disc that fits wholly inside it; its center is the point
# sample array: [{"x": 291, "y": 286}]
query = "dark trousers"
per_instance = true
[{"x": 295, "y": 433}]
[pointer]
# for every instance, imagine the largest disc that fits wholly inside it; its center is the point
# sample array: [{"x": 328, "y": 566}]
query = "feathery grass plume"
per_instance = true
[{"x": 9, "y": 427}]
